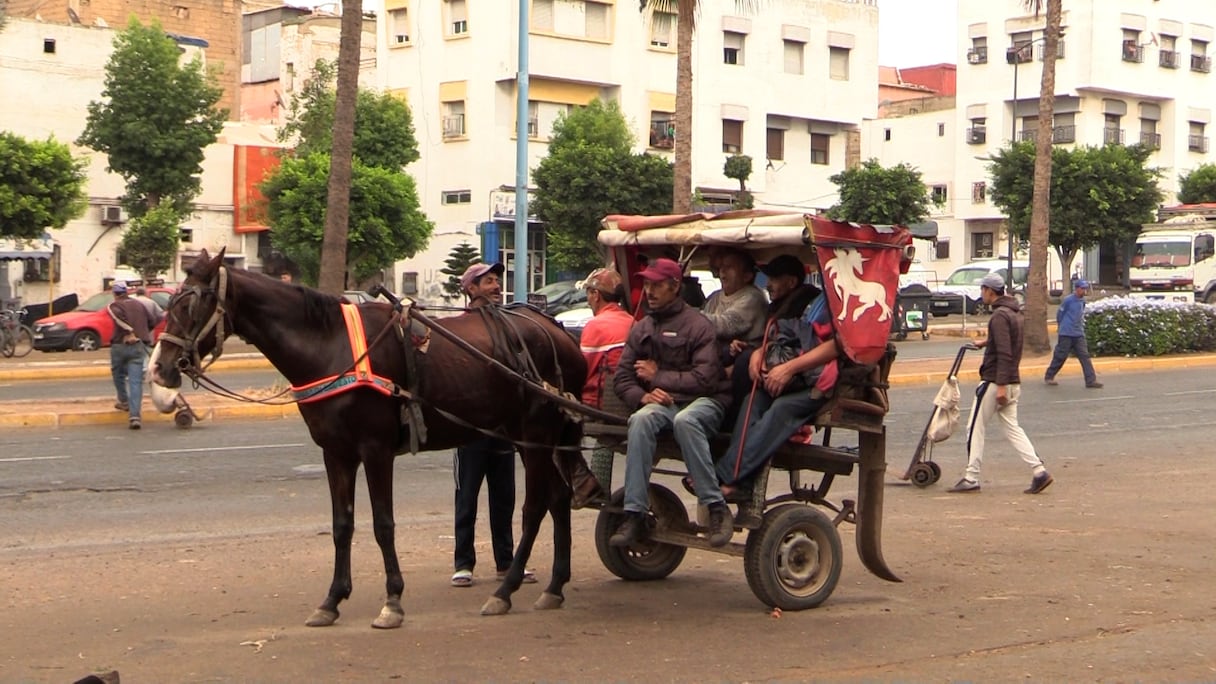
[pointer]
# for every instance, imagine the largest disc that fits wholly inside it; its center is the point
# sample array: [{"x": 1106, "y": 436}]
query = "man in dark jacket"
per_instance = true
[
  {"x": 999, "y": 389},
  {"x": 128, "y": 351},
  {"x": 670, "y": 376}
]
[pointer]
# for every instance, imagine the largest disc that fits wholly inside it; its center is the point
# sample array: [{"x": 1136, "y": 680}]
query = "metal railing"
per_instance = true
[
  {"x": 453, "y": 126},
  {"x": 1112, "y": 136},
  {"x": 1201, "y": 63},
  {"x": 977, "y": 55},
  {"x": 1197, "y": 143},
  {"x": 1132, "y": 52},
  {"x": 1168, "y": 59},
  {"x": 1150, "y": 140}
]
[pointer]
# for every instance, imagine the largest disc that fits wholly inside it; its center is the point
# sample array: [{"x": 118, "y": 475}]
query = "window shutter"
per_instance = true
[
  {"x": 542, "y": 15},
  {"x": 597, "y": 20},
  {"x": 793, "y": 57}
]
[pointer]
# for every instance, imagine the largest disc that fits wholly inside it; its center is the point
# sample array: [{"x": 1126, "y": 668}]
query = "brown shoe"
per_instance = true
[{"x": 586, "y": 490}]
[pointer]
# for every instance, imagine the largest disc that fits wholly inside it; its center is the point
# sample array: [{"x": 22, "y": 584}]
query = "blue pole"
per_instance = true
[{"x": 521, "y": 160}]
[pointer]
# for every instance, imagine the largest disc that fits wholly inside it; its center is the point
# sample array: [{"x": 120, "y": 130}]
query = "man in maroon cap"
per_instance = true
[{"x": 671, "y": 377}]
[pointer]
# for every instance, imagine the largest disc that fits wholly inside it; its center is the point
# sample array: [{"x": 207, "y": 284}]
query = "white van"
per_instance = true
[{"x": 964, "y": 281}]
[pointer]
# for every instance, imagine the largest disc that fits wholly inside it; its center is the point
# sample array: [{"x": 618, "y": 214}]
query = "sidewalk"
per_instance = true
[{"x": 212, "y": 408}]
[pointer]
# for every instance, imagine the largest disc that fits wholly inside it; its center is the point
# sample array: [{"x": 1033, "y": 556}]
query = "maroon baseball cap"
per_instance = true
[
  {"x": 662, "y": 269},
  {"x": 472, "y": 273}
]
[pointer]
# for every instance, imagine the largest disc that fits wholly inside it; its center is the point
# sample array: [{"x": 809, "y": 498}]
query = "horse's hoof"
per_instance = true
[
  {"x": 496, "y": 606},
  {"x": 391, "y": 616},
  {"x": 549, "y": 601},
  {"x": 321, "y": 617}
]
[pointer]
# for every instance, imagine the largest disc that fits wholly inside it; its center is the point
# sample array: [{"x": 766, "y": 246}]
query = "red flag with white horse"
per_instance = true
[{"x": 861, "y": 266}]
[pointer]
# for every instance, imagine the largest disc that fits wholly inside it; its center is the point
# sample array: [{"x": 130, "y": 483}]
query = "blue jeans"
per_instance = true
[
  {"x": 762, "y": 430},
  {"x": 1065, "y": 345},
  {"x": 693, "y": 423},
  {"x": 127, "y": 369}
]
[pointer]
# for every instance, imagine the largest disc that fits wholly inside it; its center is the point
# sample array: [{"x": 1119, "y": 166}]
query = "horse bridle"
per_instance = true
[{"x": 190, "y": 362}]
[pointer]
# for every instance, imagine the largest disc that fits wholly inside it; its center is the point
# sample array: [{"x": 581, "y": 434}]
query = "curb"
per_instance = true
[
  {"x": 56, "y": 371},
  {"x": 65, "y": 419}
]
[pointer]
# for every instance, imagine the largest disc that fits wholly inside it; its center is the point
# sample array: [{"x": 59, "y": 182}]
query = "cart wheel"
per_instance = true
[
  {"x": 793, "y": 561},
  {"x": 924, "y": 336},
  {"x": 183, "y": 419},
  {"x": 923, "y": 475},
  {"x": 647, "y": 560},
  {"x": 937, "y": 471}
]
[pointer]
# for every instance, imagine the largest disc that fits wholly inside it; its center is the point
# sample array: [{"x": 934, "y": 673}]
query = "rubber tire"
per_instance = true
[
  {"x": 1211, "y": 298},
  {"x": 23, "y": 342},
  {"x": 937, "y": 471},
  {"x": 792, "y": 532},
  {"x": 922, "y": 475},
  {"x": 647, "y": 560},
  {"x": 86, "y": 338},
  {"x": 183, "y": 419}
]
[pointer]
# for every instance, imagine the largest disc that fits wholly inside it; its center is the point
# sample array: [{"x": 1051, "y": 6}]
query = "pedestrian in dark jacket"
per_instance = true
[
  {"x": 999, "y": 389},
  {"x": 1070, "y": 338},
  {"x": 129, "y": 351},
  {"x": 671, "y": 377}
]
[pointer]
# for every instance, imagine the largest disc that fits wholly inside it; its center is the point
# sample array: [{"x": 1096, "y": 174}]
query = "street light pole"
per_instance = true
[
  {"x": 1013, "y": 138},
  {"x": 522, "y": 272}
]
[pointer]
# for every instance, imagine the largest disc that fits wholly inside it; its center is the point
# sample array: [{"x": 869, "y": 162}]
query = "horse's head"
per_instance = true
[{"x": 194, "y": 321}]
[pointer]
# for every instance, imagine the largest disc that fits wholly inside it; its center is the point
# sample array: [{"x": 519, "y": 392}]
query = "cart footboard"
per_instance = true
[{"x": 872, "y": 470}]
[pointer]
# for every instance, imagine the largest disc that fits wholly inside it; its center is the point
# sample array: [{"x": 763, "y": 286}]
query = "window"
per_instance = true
[
  {"x": 458, "y": 18},
  {"x": 185, "y": 235},
  {"x": 1195, "y": 140},
  {"x": 938, "y": 195},
  {"x": 732, "y": 136},
  {"x": 453, "y": 120},
  {"x": 941, "y": 248},
  {"x": 979, "y": 192},
  {"x": 48, "y": 46},
  {"x": 775, "y": 145},
  {"x": 1112, "y": 134},
  {"x": 981, "y": 245},
  {"x": 662, "y": 131},
  {"x": 1019, "y": 51},
  {"x": 398, "y": 27},
  {"x": 457, "y": 196},
  {"x": 886, "y": 134},
  {"x": 409, "y": 283},
  {"x": 838, "y": 63},
  {"x": 978, "y": 54},
  {"x": 820, "y": 147},
  {"x": 1167, "y": 54},
  {"x": 541, "y": 18},
  {"x": 1149, "y": 137},
  {"x": 597, "y": 14},
  {"x": 662, "y": 28},
  {"x": 1199, "y": 56},
  {"x": 1064, "y": 128},
  {"x": 732, "y": 47},
  {"x": 1030, "y": 128},
  {"x": 977, "y": 134},
  {"x": 533, "y": 119},
  {"x": 1132, "y": 50},
  {"x": 793, "y": 51},
  {"x": 941, "y": 130}
]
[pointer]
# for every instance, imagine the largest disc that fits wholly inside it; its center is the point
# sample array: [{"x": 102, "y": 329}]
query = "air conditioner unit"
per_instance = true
[
  {"x": 113, "y": 213},
  {"x": 976, "y": 136}
]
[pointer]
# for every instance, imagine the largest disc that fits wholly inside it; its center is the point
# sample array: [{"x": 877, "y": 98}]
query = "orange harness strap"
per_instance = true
[{"x": 360, "y": 376}]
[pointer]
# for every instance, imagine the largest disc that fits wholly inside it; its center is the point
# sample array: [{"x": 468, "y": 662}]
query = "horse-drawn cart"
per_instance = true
[{"x": 792, "y": 553}]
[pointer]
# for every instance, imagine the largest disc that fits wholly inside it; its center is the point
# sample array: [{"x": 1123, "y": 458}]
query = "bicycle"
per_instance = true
[{"x": 16, "y": 338}]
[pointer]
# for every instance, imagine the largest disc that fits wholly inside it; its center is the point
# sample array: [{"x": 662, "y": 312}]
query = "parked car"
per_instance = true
[
  {"x": 965, "y": 282},
  {"x": 560, "y": 296},
  {"x": 88, "y": 326}
]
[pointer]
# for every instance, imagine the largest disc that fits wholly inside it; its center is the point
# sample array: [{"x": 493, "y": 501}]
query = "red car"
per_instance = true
[{"x": 88, "y": 326}]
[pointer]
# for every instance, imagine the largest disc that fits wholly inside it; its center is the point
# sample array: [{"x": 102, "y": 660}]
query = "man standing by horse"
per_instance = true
[
  {"x": 671, "y": 376},
  {"x": 128, "y": 351}
]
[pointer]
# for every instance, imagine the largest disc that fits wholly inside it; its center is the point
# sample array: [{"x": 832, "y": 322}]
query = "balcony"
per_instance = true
[
  {"x": 1132, "y": 52},
  {"x": 1059, "y": 134},
  {"x": 453, "y": 126},
  {"x": 1150, "y": 140},
  {"x": 977, "y": 135},
  {"x": 1112, "y": 136},
  {"x": 1201, "y": 63},
  {"x": 977, "y": 55},
  {"x": 662, "y": 134},
  {"x": 1019, "y": 54},
  {"x": 1168, "y": 59},
  {"x": 1197, "y": 143}
]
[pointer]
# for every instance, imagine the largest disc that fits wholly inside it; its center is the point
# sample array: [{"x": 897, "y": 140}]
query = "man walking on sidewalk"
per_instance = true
[
  {"x": 1071, "y": 338},
  {"x": 128, "y": 351},
  {"x": 999, "y": 389}
]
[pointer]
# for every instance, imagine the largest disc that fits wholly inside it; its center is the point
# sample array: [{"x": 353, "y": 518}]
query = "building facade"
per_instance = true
[{"x": 788, "y": 86}]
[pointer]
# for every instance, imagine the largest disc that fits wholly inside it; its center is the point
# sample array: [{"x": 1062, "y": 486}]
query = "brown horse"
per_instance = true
[{"x": 302, "y": 332}]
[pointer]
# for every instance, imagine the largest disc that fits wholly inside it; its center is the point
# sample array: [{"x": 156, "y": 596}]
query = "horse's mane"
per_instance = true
[{"x": 318, "y": 307}]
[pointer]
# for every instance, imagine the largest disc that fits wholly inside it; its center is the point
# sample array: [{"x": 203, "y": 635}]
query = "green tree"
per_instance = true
[
  {"x": 1098, "y": 194},
  {"x": 685, "y": 12},
  {"x": 590, "y": 172},
  {"x": 739, "y": 167},
  {"x": 1198, "y": 185},
  {"x": 1036, "y": 286},
  {"x": 150, "y": 242},
  {"x": 870, "y": 193},
  {"x": 384, "y": 127},
  {"x": 459, "y": 260},
  {"x": 386, "y": 223},
  {"x": 155, "y": 119},
  {"x": 41, "y": 186}
]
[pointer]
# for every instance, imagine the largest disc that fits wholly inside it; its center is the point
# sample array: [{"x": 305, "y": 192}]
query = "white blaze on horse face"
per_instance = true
[
  {"x": 845, "y": 270},
  {"x": 163, "y": 398}
]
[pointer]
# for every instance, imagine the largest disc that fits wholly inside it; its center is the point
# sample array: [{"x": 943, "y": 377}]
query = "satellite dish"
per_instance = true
[{"x": 73, "y": 16}]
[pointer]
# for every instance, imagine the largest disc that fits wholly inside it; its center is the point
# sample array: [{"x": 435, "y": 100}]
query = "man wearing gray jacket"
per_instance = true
[{"x": 999, "y": 389}]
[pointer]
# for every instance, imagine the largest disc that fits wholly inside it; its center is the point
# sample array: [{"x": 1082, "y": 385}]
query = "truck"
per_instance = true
[{"x": 1175, "y": 259}]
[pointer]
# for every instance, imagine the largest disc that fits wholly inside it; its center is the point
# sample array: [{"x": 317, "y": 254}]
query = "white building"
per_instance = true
[
  {"x": 788, "y": 86},
  {"x": 64, "y": 65}
]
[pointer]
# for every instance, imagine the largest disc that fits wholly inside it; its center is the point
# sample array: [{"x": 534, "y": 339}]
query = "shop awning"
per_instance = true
[{"x": 16, "y": 249}]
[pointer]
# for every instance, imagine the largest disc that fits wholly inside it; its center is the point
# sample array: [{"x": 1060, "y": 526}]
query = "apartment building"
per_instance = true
[{"x": 789, "y": 86}]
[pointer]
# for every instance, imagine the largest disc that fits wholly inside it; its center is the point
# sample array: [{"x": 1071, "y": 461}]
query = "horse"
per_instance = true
[
  {"x": 302, "y": 332},
  {"x": 845, "y": 269}
]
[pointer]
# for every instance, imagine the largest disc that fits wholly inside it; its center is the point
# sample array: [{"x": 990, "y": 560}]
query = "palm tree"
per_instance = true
[
  {"x": 337, "y": 206},
  {"x": 1040, "y": 217},
  {"x": 686, "y": 24}
]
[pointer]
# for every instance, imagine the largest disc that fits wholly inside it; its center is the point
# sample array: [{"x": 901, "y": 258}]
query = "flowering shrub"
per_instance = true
[{"x": 1119, "y": 326}]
